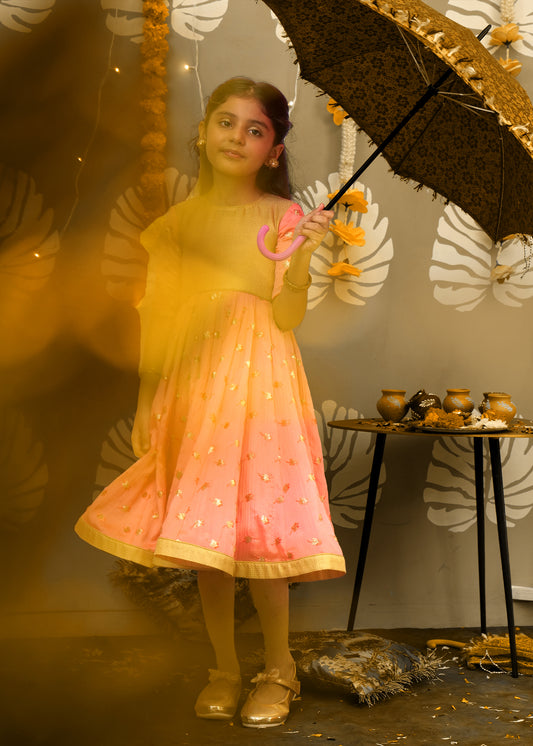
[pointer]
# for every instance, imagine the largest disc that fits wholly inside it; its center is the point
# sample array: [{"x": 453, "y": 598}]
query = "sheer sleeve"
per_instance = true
[
  {"x": 285, "y": 236},
  {"x": 159, "y": 306}
]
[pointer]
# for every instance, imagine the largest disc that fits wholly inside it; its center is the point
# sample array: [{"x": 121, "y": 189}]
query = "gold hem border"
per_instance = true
[{"x": 171, "y": 553}]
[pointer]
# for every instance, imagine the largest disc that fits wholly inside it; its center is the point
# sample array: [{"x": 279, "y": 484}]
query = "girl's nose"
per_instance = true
[{"x": 238, "y": 135}]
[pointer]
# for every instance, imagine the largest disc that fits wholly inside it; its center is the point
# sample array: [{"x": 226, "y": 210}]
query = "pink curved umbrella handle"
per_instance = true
[{"x": 282, "y": 254}]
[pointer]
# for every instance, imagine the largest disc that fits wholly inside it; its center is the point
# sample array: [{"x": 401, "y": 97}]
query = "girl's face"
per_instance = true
[{"x": 239, "y": 138}]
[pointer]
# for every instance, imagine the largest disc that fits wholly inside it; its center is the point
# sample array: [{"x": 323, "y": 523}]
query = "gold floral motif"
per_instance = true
[{"x": 213, "y": 544}]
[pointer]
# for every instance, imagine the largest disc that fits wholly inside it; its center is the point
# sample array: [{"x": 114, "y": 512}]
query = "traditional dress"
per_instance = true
[{"x": 234, "y": 478}]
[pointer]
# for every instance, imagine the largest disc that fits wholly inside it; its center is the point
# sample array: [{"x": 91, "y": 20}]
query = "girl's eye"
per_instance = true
[
  {"x": 225, "y": 123},
  {"x": 255, "y": 132}
]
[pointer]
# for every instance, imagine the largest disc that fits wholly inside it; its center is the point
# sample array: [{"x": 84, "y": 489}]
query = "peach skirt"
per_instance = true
[{"x": 234, "y": 478}]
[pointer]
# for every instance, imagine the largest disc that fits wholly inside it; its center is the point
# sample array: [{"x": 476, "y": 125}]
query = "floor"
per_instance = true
[{"x": 125, "y": 691}]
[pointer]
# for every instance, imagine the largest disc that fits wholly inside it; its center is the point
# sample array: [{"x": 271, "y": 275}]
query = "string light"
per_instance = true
[
  {"x": 195, "y": 68},
  {"x": 82, "y": 159},
  {"x": 292, "y": 102}
]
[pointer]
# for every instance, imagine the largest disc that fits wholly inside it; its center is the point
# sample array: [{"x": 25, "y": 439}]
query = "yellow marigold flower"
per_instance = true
[
  {"x": 505, "y": 34},
  {"x": 353, "y": 236},
  {"x": 513, "y": 67},
  {"x": 353, "y": 199},
  {"x": 338, "y": 269},
  {"x": 339, "y": 115}
]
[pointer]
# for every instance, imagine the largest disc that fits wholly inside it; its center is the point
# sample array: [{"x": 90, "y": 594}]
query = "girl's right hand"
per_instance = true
[
  {"x": 140, "y": 435},
  {"x": 314, "y": 226}
]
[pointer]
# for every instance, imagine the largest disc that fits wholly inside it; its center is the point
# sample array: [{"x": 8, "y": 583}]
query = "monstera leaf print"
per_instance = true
[
  {"x": 21, "y": 15},
  {"x": 476, "y": 14},
  {"x": 373, "y": 259},
  {"x": 28, "y": 248},
  {"x": 23, "y": 471},
  {"x": 116, "y": 454},
  {"x": 462, "y": 261},
  {"x": 191, "y": 19},
  {"x": 347, "y": 464},
  {"x": 517, "y": 470},
  {"x": 450, "y": 484},
  {"x": 280, "y": 31},
  {"x": 124, "y": 259}
]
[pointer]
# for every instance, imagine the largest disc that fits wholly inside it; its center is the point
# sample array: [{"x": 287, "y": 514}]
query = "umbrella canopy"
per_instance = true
[{"x": 472, "y": 142}]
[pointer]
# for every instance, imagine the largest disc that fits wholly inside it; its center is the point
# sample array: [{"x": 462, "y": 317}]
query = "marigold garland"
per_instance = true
[{"x": 154, "y": 49}]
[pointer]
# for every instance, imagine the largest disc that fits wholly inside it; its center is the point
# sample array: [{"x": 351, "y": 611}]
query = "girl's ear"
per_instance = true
[
  {"x": 201, "y": 130},
  {"x": 276, "y": 151}
]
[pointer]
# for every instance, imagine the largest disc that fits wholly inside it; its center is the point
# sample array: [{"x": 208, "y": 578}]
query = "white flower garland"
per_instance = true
[
  {"x": 347, "y": 156},
  {"x": 507, "y": 10}
]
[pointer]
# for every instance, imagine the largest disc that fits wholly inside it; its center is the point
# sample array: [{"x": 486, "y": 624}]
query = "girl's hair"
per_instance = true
[{"x": 276, "y": 108}]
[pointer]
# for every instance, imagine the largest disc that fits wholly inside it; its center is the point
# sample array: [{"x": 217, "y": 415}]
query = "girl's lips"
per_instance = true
[{"x": 233, "y": 154}]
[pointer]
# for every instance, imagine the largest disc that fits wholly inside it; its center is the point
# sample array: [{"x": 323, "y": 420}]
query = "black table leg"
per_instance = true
[
  {"x": 480, "y": 510},
  {"x": 367, "y": 524},
  {"x": 497, "y": 481}
]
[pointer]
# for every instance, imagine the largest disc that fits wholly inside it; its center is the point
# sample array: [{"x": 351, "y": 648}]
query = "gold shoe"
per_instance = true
[
  {"x": 256, "y": 714},
  {"x": 219, "y": 699}
]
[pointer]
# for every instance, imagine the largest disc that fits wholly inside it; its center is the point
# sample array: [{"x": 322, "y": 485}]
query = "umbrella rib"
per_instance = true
[{"x": 419, "y": 64}]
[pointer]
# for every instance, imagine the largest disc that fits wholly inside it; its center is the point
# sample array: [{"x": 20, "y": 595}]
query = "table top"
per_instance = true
[{"x": 518, "y": 428}]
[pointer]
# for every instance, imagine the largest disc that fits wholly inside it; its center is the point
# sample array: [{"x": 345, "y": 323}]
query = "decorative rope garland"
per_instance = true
[{"x": 154, "y": 49}]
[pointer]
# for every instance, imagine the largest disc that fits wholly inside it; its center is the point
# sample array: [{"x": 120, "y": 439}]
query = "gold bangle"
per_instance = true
[{"x": 296, "y": 288}]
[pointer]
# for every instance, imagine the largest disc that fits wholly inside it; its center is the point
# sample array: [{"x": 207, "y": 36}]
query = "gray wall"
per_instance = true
[{"x": 424, "y": 313}]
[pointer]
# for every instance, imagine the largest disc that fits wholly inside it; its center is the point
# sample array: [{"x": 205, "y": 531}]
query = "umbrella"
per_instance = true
[{"x": 439, "y": 106}]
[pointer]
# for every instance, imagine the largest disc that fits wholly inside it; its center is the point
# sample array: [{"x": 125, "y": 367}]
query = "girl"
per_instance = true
[{"x": 229, "y": 478}]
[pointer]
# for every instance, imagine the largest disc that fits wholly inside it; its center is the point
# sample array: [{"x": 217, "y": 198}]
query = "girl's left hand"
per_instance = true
[{"x": 314, "y": 226}]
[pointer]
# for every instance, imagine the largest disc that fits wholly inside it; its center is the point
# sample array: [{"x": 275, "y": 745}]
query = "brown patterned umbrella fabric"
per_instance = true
[{"x": 471, "y": 142}]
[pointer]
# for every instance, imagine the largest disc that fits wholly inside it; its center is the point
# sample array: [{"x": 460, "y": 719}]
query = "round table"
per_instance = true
[{"x": 411, "y": 428}]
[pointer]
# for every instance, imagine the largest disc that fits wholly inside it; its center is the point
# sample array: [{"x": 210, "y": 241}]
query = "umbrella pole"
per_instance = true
[{"x": 431, "y": 91}]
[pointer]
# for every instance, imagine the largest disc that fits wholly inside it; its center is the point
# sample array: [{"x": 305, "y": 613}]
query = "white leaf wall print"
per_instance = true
[
  {"x": 23, "y": 471},
  {"x": 517, "y": 470},
  {"x": 191, "y": 19},
  {"x": 347, "y": 464},
  {"x": 116, "y": 455},
  {"x": 124, "y": 260},
  {"x": 462, "y": 260},
  {"x": 450, "y": 484},
  {"x": 476, "y": 14},
  {"x": 280, "y": 31},
  {"x": 22, "y": 15},
  {"x": 373, "y": 259}
]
